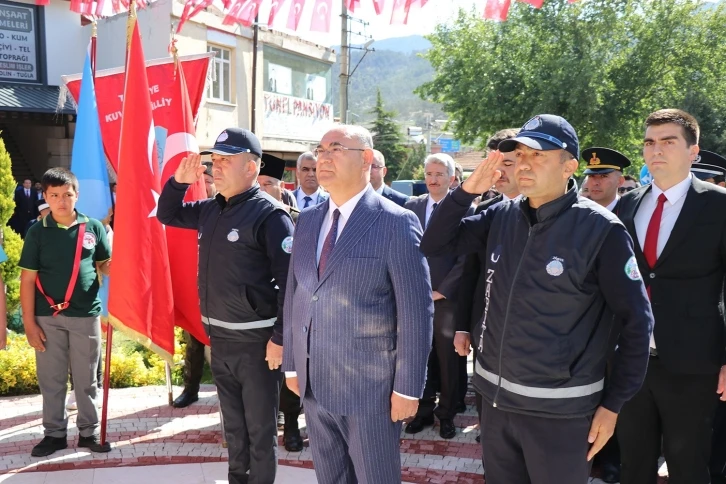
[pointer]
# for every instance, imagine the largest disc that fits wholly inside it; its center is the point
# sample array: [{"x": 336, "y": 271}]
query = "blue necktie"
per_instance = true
[
  {"x": 433, "y": 209},
  {"x": 307, "y": 201},
  {"x": 329, "y": 243}
]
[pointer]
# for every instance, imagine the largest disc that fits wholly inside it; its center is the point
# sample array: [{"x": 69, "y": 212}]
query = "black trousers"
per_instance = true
[
  {"x": 523, "y": 449},
  {"x": 443, "y": 367},
  {"x": 193, "y": 363},
  {"x": 290, "y": 406},
  {"x": 249, "y": 393},
  {"x": 718, "y": 447},
  {"x": 672, "y": 412}
]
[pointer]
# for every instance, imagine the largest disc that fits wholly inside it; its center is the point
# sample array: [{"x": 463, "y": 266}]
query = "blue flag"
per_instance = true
[{"x": 88, "y": 161}]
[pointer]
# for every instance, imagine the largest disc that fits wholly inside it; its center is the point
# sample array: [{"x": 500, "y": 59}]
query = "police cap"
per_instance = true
[
  {"x": 708, "y": 165},
  {"x": 604, "y": 160}
]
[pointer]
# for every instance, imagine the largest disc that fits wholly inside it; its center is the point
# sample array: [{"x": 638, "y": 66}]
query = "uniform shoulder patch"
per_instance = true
[
  {"x": 632, "y": 270},
  {"x": 287, "y": 244}
]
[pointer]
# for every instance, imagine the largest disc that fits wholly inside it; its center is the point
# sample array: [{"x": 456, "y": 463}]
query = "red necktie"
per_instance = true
[
  {"x": 329, "y": 243},
  {"x": 650, "y": 248}
]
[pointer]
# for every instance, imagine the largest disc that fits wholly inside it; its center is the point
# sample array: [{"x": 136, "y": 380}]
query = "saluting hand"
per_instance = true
[
  {"x": 485, "y": 175},
  {"x": 190, "y": 169}
]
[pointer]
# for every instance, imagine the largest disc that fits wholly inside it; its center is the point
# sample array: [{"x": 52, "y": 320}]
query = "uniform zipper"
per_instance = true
[{"x": 506, "y": 314}]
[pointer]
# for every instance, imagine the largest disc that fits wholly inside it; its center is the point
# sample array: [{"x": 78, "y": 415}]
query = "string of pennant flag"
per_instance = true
[{"x": 245, "y": 11}]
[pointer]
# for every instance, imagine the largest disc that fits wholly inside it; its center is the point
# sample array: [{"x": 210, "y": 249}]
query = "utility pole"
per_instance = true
[{"x": 344, "y": 63}]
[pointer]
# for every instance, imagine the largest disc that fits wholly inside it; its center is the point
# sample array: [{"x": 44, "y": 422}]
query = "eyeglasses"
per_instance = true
[
  {"x": 336, "y": 150},
  {"x": 625, "y": 189},
  {"x": 377, "y": 167}
]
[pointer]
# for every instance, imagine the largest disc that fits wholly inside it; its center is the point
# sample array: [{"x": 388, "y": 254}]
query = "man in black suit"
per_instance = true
[
  {"x": 378, "y": 173},
  {"x": 25, "y": 207},
  {"x": 678, "y": 224},
  {"x": 470, "y": 301},
  {"x": 444, "y": 363}
]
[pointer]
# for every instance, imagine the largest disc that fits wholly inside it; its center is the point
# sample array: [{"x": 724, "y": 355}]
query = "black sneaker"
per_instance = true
[
  {"x": 48, "y": 446},
  {"x": 94, "y": 444}
]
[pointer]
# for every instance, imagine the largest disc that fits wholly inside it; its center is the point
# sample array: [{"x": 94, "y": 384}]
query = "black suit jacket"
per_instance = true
[
  {"x": 445, "y": 269},
  {"x": 470, "y": 305},
  {"x": 395, "y": 196},
  {"x": 687, "y": 282},
  {"x": 25, "y": 209}
]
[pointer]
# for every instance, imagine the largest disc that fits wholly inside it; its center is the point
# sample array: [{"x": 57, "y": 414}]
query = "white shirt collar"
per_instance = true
[
  {"x": 674, "y": 193},
  {"x": 379, "y": 190},
  {"x": 313, "y": 195},
  {"x": 430, "y": 202},
  {"x": 505, "y": 198},
  {"x": 347, "y": 208},
  {"x": 612, "y": 204}
]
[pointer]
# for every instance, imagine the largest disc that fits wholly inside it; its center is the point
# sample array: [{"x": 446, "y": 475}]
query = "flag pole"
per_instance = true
[{"x": 109, "y": 327}]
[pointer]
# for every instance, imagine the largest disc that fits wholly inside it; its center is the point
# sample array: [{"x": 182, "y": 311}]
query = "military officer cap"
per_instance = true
[
  {"x": 272, "y": 166},
  {"x": 708, "y": 165},
  {"x": 604, "y": 160}
]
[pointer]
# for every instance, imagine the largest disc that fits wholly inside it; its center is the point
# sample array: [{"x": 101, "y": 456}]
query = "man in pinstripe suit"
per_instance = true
[{"x": 360, "y": 315}]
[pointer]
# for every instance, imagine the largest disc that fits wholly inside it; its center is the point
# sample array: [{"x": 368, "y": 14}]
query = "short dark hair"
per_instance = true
[
  {"x": 59, "y": 177},
  {"x": 691, "y": 131},
  {"x": 630, "y": 178},
  {"x": 501, "y": 135}
]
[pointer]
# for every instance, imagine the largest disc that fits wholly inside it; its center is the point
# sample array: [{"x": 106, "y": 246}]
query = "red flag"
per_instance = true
[
  {"x": 320, "y": 21},
  {"x": 181, "y": 243},
  {"x": 242, "y": 11},
  {"x": 534, "y": 3},
  {"x": 378, "y": 5},
  {"x": 274, "y": 9},
  {"x": 293, "y": 18},
  {"x": 83, "y": 7},
  {"x": 140, "y": 300},
  {"x": 497, "y": 9},
  {"x": 399, "y": 12},
  {"x": 42, "y": 2},
  {"x": 191, "y": 8},
  {"x": 353, "y": 4}
]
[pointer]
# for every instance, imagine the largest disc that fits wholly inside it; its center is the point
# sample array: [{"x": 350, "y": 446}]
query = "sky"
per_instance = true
[{"x": 421, "y": 21}]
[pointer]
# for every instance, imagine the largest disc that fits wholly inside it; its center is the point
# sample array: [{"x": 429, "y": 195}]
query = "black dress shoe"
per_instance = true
[
  {"x": 93, "y": 443},
  {"x": 610, "y": 473},
  {"x": 418, "y": 423},
  {"x": 48, "y": 446},
  {"x": 447, "y": 429},
  {"x": 293, "y": 441},
  {"x": 478, "y": 439},
  {"x": 185, "y": 399}
]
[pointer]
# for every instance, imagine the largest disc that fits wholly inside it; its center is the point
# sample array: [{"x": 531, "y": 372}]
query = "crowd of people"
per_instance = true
[{"x": 595, "y": 313}]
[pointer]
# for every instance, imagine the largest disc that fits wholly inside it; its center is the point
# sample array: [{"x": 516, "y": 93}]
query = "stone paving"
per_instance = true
[{"x": 146, "y": 431}]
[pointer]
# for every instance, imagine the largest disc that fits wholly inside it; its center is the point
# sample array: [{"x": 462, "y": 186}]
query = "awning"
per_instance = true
[{"x": 32, "y": 99}]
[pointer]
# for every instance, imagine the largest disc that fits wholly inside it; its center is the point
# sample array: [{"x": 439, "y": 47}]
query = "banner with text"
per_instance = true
[
  {"x": 160, "y": 72},
  {"x": 18, "y": 42},
  {"x": 296, "y": 118}
]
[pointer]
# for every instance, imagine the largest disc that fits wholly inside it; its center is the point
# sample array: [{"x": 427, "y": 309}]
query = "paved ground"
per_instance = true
[{"x": 187, "y": 443}]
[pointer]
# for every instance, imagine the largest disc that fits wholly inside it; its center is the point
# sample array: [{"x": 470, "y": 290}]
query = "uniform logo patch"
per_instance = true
[
  {"x": 287, "y": 244},
  {"x": 89, "y": 240},
  {"x": 496, "y": 254},
  {"x": 632, "y": 270},
  {"x": 222, "y": 137},
  {"x": 555, "y": 267},
  {"x": 233, "y": 235},
  {"x": 533, "y": 123}
]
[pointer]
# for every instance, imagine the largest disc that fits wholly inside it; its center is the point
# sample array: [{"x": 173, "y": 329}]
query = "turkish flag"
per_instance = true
[
  {"x": 320, "y": 21},
  {"x": 242, "y": 11},
  {"x": 275, "y": 7},
  {"x": 182, "y": 243},
  {"x": 140, "y": 300},
  {"x": 534, "y": 3},
  {"x": 399, "y": 12},
  {"x": 497, "y": 9},
  {"x": 378, "y": 5},
  {"x": 293, "y": 18},
  {"x": 353, "y": 4},
  {"x": 191, "y": 8}
]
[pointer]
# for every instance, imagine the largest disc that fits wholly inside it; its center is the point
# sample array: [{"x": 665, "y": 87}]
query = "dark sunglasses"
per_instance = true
[{"x": 625, "y": 189}]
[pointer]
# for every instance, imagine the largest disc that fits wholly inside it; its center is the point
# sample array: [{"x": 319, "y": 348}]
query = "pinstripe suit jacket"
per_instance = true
[{"x": 366, "y": 322}]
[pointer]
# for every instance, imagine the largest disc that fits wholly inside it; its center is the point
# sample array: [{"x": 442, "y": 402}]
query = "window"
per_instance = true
[{"x": 221, "y": 86}]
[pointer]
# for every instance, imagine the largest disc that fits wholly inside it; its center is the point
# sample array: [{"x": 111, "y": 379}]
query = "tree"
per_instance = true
[
  {"x": 413, "y": 168},
  {"x": 12, "y": 243},
  {"x": 387, "y": 138},
  {"x": 602, "y": 64}
]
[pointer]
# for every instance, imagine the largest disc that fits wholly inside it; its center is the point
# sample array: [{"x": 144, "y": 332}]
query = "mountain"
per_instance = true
[
  {"x": 397, "y": 73},
  {"x": 406, "y": 45}
]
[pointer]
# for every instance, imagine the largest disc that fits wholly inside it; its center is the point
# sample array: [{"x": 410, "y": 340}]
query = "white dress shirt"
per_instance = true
[
  {"x": 611, "y": 205},
  {"x": 430, "y": 209},
  {"x": 380, "y": 189},
  {"x": 345, "y": 211},
  {"x": 301, "y": 198},
  {"x": 676, "y": 196}
]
